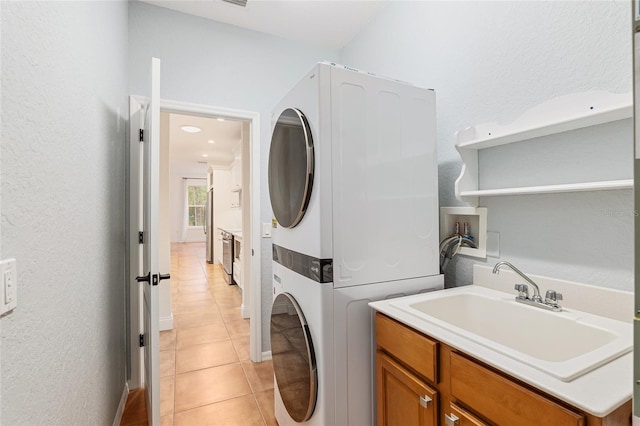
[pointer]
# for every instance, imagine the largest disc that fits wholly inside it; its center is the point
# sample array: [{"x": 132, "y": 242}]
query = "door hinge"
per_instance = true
[
  {"x": 140, "y": 237},
  {"x": 141, "y": 135},
  {"x": 142, "y": 342}
]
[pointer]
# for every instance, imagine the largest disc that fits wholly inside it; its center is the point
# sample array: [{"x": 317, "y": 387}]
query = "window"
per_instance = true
[{"x": 196, "y": 199}]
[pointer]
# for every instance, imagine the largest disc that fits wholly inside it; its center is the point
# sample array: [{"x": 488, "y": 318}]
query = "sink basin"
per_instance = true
[{"x": 563, "y": 344}]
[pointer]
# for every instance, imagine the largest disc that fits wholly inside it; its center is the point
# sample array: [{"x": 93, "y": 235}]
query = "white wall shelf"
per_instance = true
[
  {"x": 557, "y": 115},
  {"x": 551, "y": 189}
]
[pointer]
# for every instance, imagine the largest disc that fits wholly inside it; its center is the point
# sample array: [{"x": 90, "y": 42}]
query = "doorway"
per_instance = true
[{"x": 250, "y": 200}]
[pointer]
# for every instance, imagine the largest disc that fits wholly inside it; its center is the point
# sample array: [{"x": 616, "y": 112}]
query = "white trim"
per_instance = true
[
  {"x": 255, "y": 299},
  {"x": 166, "y": 323},
  {"x": 123, "y": 402},
  {"x": 253, "y": 290},
  {"x": 135, "y": 298},
  {"x": 266, "y": 355},
  {"x": 244, "y": 311}
]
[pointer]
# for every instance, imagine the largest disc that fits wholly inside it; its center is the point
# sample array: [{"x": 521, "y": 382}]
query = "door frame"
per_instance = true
[
  {"x": 254, "y": 288},
  {"x": 134, "y": 293}
]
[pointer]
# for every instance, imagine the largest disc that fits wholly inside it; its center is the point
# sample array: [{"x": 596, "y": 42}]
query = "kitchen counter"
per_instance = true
[
  {"x": 598, "y": 392},
  {"x": 234, "y": 231}
]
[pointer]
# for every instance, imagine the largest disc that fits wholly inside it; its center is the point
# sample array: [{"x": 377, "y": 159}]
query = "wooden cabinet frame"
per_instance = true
[{"x": 474, "y": 393}]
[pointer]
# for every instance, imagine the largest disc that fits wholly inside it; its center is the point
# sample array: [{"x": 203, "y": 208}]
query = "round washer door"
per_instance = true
[
  {"x": 294, "y": 361},
  {"x": 291, "y": 165}
]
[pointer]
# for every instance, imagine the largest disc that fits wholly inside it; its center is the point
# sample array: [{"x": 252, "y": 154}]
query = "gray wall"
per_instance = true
[
  {"x": 490, "y": 62},
  {"x": 210, "y": 63},
  {"x": 64, "y": 102}
]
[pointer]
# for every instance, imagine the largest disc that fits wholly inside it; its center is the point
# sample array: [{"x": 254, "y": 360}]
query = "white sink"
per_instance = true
[{"x": 563, "y": 344}]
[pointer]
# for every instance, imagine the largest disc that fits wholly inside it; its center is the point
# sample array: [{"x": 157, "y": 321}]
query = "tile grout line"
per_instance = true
[
  {"x": 210, "y": 277},
  {"x": 264, "y": 420}
]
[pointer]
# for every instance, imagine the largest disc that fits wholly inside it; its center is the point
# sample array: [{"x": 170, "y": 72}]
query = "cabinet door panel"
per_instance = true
[
  {"x": 456, "y": 416},
  {"x": 412, "y": 348},
  {"x": 503, "y": 401},
  {"x": 403, "y": 399}
]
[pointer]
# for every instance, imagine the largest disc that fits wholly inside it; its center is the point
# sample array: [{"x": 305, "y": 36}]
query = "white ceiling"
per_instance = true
[
  {"x": 187, "y": 149},
  {"x": 331, "y": 24}
]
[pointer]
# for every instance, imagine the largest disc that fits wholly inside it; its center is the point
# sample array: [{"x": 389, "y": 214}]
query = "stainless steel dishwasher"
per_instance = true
[{"x": 227, "y": 256}]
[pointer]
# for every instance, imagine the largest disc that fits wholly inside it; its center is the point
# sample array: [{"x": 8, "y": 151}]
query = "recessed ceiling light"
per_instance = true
[
  {"x": 211, "y": 141},
  {"x": 220, "y": 119},
  {"x": 190, "y": 129},
  {"x": 205, "y": 155}
]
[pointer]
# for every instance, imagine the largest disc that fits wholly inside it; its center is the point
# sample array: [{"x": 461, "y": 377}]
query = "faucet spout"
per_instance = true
[{"x": 536, "y": 290}]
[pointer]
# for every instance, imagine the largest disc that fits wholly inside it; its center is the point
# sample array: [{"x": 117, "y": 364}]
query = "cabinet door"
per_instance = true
[
  {"x": 456, "y": 416},
  {"x": 504, "y": 401},
  {"x": 403, "y": 399}
]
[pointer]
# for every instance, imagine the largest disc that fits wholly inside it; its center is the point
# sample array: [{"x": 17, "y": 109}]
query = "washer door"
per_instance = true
[
  {"x": 294, "y": 361},
  {"x": 291, "y": 165}
]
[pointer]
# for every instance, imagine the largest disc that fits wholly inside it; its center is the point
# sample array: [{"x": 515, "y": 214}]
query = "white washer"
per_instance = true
[
  {"x": 342, "y": 348},
  {"x": 353, "y": 185},
  {"x": 309, "y": 393}
]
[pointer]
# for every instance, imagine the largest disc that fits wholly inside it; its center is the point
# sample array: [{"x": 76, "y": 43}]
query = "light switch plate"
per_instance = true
[
  {"x": 9, "y": 293},
  {"x": 266, "y": 230}
]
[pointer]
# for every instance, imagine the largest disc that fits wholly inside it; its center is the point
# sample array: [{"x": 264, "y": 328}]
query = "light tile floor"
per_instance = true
[{"x": 206, "y": 375}]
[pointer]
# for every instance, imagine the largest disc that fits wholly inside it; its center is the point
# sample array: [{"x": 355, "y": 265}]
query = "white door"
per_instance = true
[{"x": 149, "y": 225}]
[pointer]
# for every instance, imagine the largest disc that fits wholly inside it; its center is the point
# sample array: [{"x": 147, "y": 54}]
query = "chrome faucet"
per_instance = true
[{"x": 550, "y": 302}]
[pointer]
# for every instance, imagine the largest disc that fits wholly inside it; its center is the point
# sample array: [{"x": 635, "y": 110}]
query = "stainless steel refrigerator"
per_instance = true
[{"x": 209, "y": 228}]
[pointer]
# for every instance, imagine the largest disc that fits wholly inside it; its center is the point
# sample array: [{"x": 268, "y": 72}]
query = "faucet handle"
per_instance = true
[
  {"x": 522, "y": 289},
  {"x": 552, "y": 296}
]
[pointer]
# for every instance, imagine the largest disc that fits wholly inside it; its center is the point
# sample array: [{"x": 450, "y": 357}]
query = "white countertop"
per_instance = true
[
  {"x": 234, "y": 231},
  {"x": 598, "y": 392}
]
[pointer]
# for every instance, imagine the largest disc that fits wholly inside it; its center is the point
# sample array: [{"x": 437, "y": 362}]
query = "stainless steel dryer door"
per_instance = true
[
  {"x": 291, "y": 166},
  {"x": 294, "y": 360}
]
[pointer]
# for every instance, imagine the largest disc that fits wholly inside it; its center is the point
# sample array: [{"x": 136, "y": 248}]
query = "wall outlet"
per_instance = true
[{"x": 10, "y": 286}]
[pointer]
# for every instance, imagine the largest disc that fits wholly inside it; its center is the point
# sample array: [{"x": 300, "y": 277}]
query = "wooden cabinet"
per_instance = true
[
  {"x": 409, "y": 347},
  {"x": 463, "y": 391},
  {"x": 502, "y": 400},
  {"x": 456, "y": 416},
  {"x": 407, "y": 400},
  {"x": 236, "y": 175}
]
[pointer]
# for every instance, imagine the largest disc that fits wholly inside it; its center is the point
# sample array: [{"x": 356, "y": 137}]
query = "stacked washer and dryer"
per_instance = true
[{"x": 353, "y": 186}]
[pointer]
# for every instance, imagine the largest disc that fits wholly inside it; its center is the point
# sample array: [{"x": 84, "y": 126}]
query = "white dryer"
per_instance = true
[
  {"x": 353, "y": 175},
  {"x": 353, "y": 186}
]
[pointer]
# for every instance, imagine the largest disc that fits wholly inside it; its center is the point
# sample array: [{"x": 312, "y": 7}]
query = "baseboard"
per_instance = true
[
  {"x": 166, "y": 323},
  {"x": 245, "y": 312},
  {"x": 123, "y": 402},
  {"x": 266, "y": 355}
]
